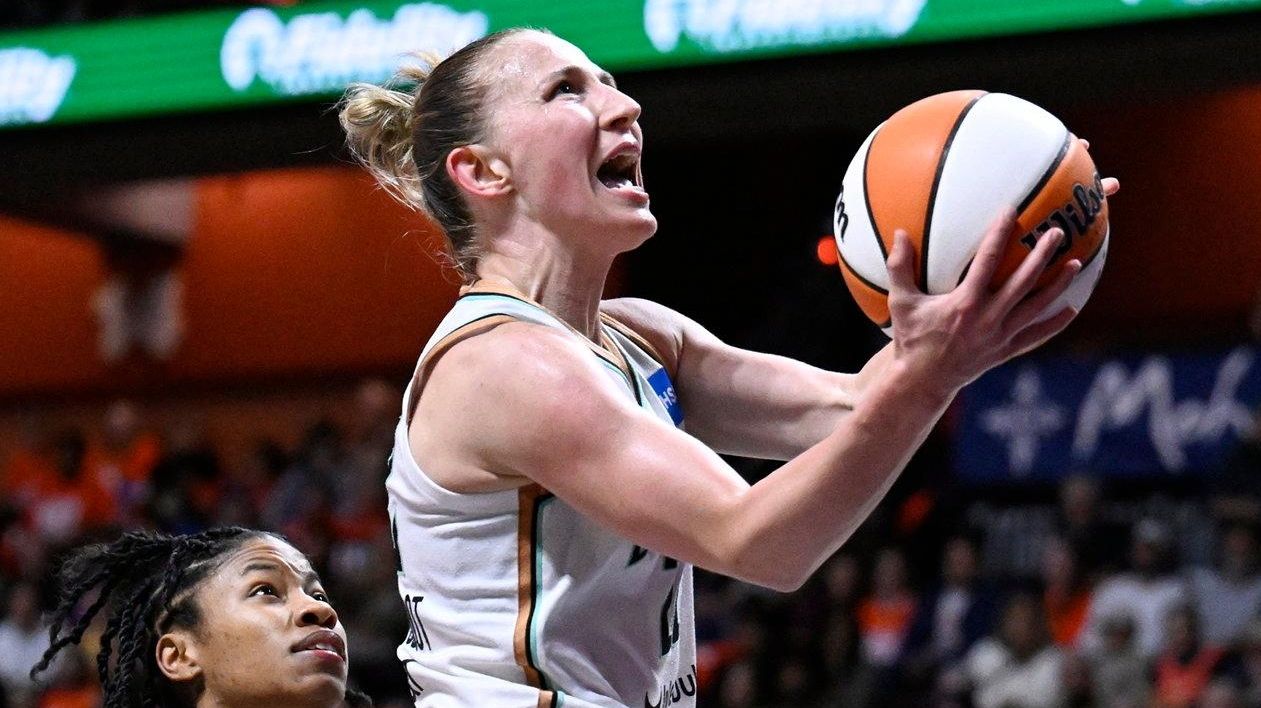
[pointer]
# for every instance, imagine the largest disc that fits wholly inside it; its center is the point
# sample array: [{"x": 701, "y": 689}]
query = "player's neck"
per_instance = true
[{"x": 569, "y": 286}]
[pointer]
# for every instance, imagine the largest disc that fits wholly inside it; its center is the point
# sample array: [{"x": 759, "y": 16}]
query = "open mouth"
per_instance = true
[{"x": 620, "y": 170}]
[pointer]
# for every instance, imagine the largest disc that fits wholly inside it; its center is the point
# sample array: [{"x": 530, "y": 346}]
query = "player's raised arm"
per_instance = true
[{"x": 546, "y": 413}]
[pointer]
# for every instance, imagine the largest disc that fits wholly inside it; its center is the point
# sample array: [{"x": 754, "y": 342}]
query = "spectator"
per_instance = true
[
  {"x": 1229, "y": 594},
  {"x": 1221, "y": 694},
  {"x": 375, "y": 620},
  {"x": 1078, "y": 688},
  {"x": 1242, "y": 666},
  {"x": 1186, "y": 666},
  {"x": 70, "y": 502},
  {"x": 843, "y": 579},
  {"x": 186, "y": 482},
  {"x": 23, "y": 638},
  {"x": 884, "y": 616},
  {"x": 74, "y": 685},
  {"x": 122, "y": 459},
  {"x": 1147, "y": 593},
  {"x": 1235, "y": 494},
  {"x": 1019, "y": 666},
  {"x": 300, "y": 503},
  {"x": 748, "y": 680},
  {"x": 950, "y": 619},
  {"x": 1097, "y": 544},
  {"x": 248, "y": 485},
  {"x": 28, "y": 466},
  {"x": 1065, "y": 595},
  {"x": 850, "y": 681},
  {"x": 1119, "y": 672}
]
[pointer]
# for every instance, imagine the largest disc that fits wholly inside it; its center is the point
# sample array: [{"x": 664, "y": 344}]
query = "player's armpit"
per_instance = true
[{"x": 738, "y": 401}]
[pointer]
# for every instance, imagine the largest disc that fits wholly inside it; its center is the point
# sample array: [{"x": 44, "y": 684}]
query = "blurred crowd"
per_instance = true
[
  {"x": 65, "y": 487},
  {"x": 22, "y": 14},
  {"x": 1146, "y": 597},
  {"x": 1082, "y": 595}
]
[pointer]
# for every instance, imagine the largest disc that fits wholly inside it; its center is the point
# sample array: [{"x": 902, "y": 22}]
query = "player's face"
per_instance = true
[
  {"x": 268, "y": 635},
  {"x": 571, "y": 141}
]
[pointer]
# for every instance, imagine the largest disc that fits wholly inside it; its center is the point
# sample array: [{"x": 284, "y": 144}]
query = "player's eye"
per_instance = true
[
  {"x": 264, "y": 589},
  {"x": 561, "y": 87},
  {"x": 321, "y": 596}
]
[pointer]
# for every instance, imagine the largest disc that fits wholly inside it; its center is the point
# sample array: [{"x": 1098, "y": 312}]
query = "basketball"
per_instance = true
[{"x": 942, "y": 169}]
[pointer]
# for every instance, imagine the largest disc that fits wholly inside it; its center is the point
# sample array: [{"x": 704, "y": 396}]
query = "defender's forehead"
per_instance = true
[{"x": 268, "y": 551}]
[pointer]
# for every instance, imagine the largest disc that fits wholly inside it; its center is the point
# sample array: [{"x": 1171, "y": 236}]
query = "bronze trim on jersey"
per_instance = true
[
  {"x": 483, "y": 289},
  {"x": 529, "y": 499},
  {"x": 638, "y": 340},
  {"x": 634, "y": 380},
  {"x": 611, "y": 346},
  {"x": 457, "y": 335}
]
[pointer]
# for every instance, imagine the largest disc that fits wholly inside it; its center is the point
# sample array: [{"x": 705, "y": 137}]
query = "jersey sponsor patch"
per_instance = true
[{"x": 664, "y": 388}]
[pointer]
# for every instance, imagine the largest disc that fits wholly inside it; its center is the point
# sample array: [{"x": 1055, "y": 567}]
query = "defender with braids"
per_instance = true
[
  {"x": 227, "y": 617},
  {"x": 548, "y": 499}
]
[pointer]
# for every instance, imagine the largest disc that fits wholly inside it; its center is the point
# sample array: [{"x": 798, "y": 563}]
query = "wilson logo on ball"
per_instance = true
[{"x": 1074, "y": 218}]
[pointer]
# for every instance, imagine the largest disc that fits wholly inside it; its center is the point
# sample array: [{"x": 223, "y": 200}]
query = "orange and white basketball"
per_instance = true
[{"x": 942, "y": 169}]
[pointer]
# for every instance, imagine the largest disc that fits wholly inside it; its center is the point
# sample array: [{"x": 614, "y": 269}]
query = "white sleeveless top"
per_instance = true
[{"x": 516, "y": 600}]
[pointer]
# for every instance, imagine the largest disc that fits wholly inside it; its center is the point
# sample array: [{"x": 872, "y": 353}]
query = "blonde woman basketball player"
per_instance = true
[{"x": 548, "y": 497}]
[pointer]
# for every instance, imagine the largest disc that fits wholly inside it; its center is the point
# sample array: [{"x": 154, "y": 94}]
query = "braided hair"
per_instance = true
[{"x": 145, "y": 583}]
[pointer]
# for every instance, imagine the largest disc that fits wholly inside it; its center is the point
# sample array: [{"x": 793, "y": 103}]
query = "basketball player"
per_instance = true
[
  {"x": 226, "y": 617},
  {"x": 548, "y": 495}
]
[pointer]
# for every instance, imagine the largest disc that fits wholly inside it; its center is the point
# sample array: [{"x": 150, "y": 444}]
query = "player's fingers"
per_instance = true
[
  {"x": 990, "y": 253},
  {"x": 1111, "y": 185},
  {"x": 1031, "y": 307},
  {"x": 901, "y": 265},
  {"x": 1022, "y": 281},
  {"x": 1035, "y": 334}
]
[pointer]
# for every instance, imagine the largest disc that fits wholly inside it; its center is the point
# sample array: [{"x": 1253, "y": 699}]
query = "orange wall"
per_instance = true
[
  {"x": 1186, "y": 240},
  {"x": 288, "y": 272},
  {"x": 47, "y": 333}
]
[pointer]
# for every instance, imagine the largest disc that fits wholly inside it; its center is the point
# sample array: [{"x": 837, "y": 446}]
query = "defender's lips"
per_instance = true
[{"x": 322, "y": 640}]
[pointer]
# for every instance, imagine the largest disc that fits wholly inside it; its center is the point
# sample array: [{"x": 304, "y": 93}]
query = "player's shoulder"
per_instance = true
[
  {"x": 662, "y": 328},
  {"x": 512, "y": 350}
]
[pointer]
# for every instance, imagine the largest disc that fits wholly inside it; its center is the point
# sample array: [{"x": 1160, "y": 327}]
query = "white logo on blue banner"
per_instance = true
[{"x": 1153, "y": 415}]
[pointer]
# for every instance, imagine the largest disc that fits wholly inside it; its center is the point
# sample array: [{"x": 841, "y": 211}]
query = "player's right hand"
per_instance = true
[{"x": 946, "y": 341}]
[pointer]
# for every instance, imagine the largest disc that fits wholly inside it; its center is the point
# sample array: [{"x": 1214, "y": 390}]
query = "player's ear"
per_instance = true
[
  {"x": 477, "y": 170},
  {"x": 177, "y": 657}
]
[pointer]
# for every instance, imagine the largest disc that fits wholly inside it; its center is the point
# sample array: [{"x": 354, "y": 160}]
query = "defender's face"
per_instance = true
[
  {"x": 571, "y": 141},
  {"x": 268, "y": 635}
]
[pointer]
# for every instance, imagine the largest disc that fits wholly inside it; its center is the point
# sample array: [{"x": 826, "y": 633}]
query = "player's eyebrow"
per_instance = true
[
  {"x": 307, "y": 576},
  {"x": 604, "y": 77}
]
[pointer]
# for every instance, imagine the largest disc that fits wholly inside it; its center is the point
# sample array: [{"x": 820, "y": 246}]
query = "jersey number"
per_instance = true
[
  {"x": 669, "y": 622},
  {"x": 417, "y": 637}
]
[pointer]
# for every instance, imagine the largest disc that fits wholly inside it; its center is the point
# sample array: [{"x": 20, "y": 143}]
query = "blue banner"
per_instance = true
[{"x": 1126, "y": 416}]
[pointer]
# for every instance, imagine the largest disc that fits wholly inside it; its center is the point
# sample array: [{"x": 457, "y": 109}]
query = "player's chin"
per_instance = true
[
  {"x": 641, "y": 223},
  {"x": 319, "y": 688},
  {"x": 635, "y": 237}
]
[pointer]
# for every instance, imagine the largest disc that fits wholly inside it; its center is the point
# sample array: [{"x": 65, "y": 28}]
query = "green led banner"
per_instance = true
[{"x": 223, "y": 58}]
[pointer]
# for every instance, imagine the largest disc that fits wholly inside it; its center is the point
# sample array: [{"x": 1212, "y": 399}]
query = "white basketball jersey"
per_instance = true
[{"x": 516, "y": 600}]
